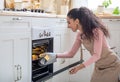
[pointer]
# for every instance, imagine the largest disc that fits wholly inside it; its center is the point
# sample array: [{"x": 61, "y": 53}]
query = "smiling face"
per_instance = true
[{"x": 74, "y": 25}]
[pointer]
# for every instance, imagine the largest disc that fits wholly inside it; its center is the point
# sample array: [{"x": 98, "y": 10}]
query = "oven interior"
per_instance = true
[{"x": 41, "y": 46}]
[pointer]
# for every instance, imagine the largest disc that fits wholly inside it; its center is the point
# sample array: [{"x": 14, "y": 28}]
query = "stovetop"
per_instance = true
[{"x": 24, "y": 10}]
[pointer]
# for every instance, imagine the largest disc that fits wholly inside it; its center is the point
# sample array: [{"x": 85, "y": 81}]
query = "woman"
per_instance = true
[{"x": 92, "y": 34}]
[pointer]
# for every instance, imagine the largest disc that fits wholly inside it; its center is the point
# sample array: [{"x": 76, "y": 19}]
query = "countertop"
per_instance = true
[
  {"x": 32, "y": 14},
  {"x": 29, "y": 14},
  {"x": 109, "y": 16}
]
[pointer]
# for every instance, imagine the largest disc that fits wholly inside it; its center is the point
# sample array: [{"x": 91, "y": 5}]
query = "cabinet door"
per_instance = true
[
  {"x": 114, "y": 28},
  {"x": 85, "y": 74},
  {"x": 60, "y": 45},
  {"x": 22, "y": 58},
  {"x": 6, "y": 60},
  {"x": 16, "y": 41},
  {"x": 57, "y": 48},
  {"x": 77, "y": 56},
  {"x": 61, "y": 77}
]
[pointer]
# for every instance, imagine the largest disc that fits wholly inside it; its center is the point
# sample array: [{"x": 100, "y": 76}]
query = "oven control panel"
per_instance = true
[
  {"x": 39, "y": 33},
  {"x": 45, "y": 33}
]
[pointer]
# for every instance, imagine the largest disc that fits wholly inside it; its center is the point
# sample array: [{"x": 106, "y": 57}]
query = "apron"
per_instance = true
[{"x": 107, "y": 68}]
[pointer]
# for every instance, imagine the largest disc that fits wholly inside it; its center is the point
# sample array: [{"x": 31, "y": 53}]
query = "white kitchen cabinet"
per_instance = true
[
  {"x": 114, "y": 28},
  {"x": 49, "y": 80},
  {"x": 85, "y": 74},
  {"x": 61, "y": 44},
  {"x": 15, "y": 49},
  {"x": 61, "y": 77},
  {"x": 77, "y": 56}
]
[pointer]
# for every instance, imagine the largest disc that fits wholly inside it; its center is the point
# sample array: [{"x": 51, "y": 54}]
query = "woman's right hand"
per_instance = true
[{"x": 76, "y": 69}]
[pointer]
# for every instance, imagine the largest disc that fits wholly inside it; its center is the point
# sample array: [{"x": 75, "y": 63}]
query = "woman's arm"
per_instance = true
[
  {"x": 73, "y": 50},
  {"x": 96, "y": 55}
]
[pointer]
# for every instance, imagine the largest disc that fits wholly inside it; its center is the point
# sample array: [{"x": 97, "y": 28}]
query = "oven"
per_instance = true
[
  {"x": 42, "y": 41},
  {"x": 50, "y": 35}
]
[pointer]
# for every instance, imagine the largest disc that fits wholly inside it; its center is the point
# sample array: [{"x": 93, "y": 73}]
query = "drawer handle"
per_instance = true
[
  {"x": 18, "y": 18},
  {"x": 114, "y": 20},
  {"x": 18, "y": 72},
  {"x": 63, "y": 61},
  {"x": 112, "y": 47}
]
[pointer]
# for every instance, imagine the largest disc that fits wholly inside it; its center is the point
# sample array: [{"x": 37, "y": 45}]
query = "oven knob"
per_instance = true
[
  {"x": 40, "y": 35},
  {"x": 49, "y": 34}
]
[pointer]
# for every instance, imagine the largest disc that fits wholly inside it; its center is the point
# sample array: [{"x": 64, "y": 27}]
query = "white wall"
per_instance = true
[
  {"x": 78, "y": 3},
  {"x": 1, "y": 4},
  {"x": 92, "y": 4}
]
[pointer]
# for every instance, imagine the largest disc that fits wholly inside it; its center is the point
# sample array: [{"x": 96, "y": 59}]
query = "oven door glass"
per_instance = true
[{"x": 39, "y": 71}]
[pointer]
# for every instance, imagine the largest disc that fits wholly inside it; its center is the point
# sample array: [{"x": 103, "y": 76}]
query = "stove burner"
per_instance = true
[{"x": 37, "y": 10}]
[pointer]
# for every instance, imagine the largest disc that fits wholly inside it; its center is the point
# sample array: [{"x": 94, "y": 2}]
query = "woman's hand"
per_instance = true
[
  {"x": 76, "y": 69},
  {"x": 47, "y": 58}
]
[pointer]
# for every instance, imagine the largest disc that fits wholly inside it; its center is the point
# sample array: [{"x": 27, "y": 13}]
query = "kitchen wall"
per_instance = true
[
  {"x": 1, "y": 4},
  {"x": 51, "y": 6},
  {"x": 72, "y": 4},
  {"x": 108, "y": 10},
  {"x": 79, "y": 3},
  {"x": 99, "y": 2}
]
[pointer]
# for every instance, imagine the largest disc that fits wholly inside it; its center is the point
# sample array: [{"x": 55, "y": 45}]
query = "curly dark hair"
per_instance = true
[{"x": 88, "y": 20}]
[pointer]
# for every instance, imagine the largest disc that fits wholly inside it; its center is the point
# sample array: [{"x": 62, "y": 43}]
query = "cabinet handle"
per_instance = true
[
  {"x": 62, "y": 60},
  {"x": 81, "y": 52},
  {"x": 113, "y": 47},
  {"x": 114, "y": 20},
  {"x": 19, "y": 72},
  {"x": 17, "y": 18},
  {"x": 16, "y": 73},
  {"x": 63, "y": 20}
]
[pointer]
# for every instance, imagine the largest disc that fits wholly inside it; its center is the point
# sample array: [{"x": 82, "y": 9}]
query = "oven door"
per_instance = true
[{"x": 40, "y": 72}]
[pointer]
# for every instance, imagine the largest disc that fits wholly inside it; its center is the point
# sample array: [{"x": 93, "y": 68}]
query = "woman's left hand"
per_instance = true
[{"x": 76, "y": 69}]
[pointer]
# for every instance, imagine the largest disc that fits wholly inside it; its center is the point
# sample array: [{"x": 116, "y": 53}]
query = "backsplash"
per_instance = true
[{"x": 50, "y": 6}]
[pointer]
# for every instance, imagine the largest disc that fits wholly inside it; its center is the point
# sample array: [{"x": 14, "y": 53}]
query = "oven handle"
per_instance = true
[{"x": 17, "y": 18}]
